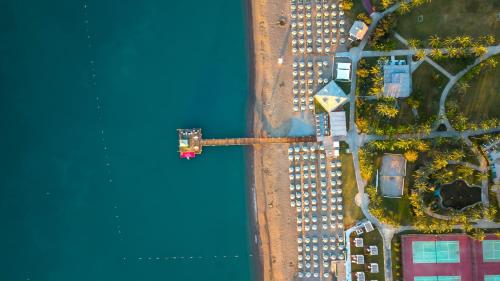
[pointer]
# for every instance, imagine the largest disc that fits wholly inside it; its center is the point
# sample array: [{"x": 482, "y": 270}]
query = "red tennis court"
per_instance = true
[{"x": 448, "y": 256}]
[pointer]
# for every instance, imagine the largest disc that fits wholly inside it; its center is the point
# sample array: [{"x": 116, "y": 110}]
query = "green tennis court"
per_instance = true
[
  {"x": 492, "y": 278},
  {"x": 436, "y": 252},
  {"x": 491, "y": 250},
  {"x": 437, "y": 278}
]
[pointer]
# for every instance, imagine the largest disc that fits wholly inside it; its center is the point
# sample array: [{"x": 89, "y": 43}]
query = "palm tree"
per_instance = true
[
  {"x": 386, "y": 110},
  {"x": 448, "y": 42},
  {"x": 479, "y": 50},
  {"x": 453, "y": 52},
  {"x": 488, "y": 39},
  {"x": 414, "y": 43},
  {"x": 374, "y": 70},
  {"x": 464, "y": 41},
  {"x": 417, "y": 3},
  {"x": 462, "y": 86},
  {"x": 420, "y": 55},
  {"x": 404, "y": 8},
  {"x": 436, "y": 54},
  {"x": 434, "y": 41},
  {"x": 491, "y": 62},
  {"x": 362, "y": 72}
]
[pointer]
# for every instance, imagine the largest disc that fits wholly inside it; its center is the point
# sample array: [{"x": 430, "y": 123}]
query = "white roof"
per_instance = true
[
  {"x": 360, "y": 275},
  {"x": 343, "y": 74},
  {"x": 358, "y": 242},
  {"x": 368, "y": 226},
  {"x": 338, "y": 124},
  {"x": 344, "y": 65}
]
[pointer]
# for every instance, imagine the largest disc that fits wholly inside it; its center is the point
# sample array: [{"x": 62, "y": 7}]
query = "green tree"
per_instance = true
[
  {"x": 414, "y": 43},
  {"x": 479, "y": 50},
  {"x": 386, "y": 110},
  {"x": 413, "y": 102},
  {"x": 491, "y": 63},
  {"x": 434, "y": 41},
  {"x": 488, "y": 39},
  {"x": 449, "y": 42},
  {"x": 404, "y": 8},
  {"x": 362, "y": 72},
  {"x": 411, "y": 155},
  {"x": 478, "y": 234},
  {"x": 364, "y": 17},
  {"x": 464, "y": 172},
  {"x": 419, "y": 55},
  {"x": 436, "y": 54},
  {"x": 347, "y": 5},
  {"x": 464, "y": 41},
  {"x": 453, "y": 52},
  {"x": 375, "y": 70},
  {"x": 462, "y": 86}
]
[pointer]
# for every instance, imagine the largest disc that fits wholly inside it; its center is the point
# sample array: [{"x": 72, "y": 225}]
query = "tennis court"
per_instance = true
[
  {"x": 437, "y": 278},
  {"x": 436, "y": 252},
  {"x": 491, "y": 250}
]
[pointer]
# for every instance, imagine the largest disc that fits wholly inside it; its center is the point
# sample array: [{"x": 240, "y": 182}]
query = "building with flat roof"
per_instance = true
[
  {"x": 358, "y": 30},
  {"x": 373, "y": 267},
  {"x": 358, "y": 242},
  {"x": 373, "y": 250},
  {"x": 392, "y": 175},
  {"x": 397, "y": 80},
  {"x": 360, "y": 276},
  {"x": 330, "y": 97},
  {"x": 338, "y": 270},
  {"x": 450, "y": 257},
  {"x": 343, "y": 71},
  {"x": 338, "y": 123}
]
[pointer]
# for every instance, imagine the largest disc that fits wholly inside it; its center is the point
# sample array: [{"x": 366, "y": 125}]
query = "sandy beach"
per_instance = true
[{"x": 269, "y": 113}]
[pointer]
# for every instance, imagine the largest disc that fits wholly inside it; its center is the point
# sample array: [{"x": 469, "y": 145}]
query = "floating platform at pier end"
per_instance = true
[{"x": 191, "y": 141}]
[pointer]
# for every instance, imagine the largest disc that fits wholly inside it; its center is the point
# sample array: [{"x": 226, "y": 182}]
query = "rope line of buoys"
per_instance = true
[
  {"x": 185, "y": 258},
  {"x": 99, "y": 111}
]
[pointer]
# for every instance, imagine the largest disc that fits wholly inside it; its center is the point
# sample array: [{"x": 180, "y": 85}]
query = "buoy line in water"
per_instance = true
[
  {"x": 186, "y": 258},
  {"x": 99, "y": 112}
]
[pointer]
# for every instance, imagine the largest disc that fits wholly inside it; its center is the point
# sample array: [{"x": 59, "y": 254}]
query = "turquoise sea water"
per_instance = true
[{"x": 90, "y": 180}]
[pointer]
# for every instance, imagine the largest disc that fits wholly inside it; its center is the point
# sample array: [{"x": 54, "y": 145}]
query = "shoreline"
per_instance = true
[
  {"x": 269, "y": 113},
  {"x": 256, "y": 261}
]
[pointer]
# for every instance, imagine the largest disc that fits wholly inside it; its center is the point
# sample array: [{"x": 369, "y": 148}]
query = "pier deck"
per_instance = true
[
  {"x": 252, "y": 141},
  {"x": 191, "y": 141}
]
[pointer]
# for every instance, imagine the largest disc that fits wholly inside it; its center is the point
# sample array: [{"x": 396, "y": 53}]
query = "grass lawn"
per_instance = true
[
  {"x": 451, "y": 18},
  {"x": 455, "y": 65},
  {"x": 370, "y": 238},
  {"x": 482, "y": 100},
  {"x": 399, "y": 209},
  {"x": 357, "y": 8},
  {"x": 352, "y": 213},
  {"x": 345, "y": 86},
  {"x": 428, "y": 83}
]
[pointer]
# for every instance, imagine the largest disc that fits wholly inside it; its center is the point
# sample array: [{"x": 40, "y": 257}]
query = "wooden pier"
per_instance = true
[
  {"x": 191, "y": 141},
  {"x": 252, "y": 141}
]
